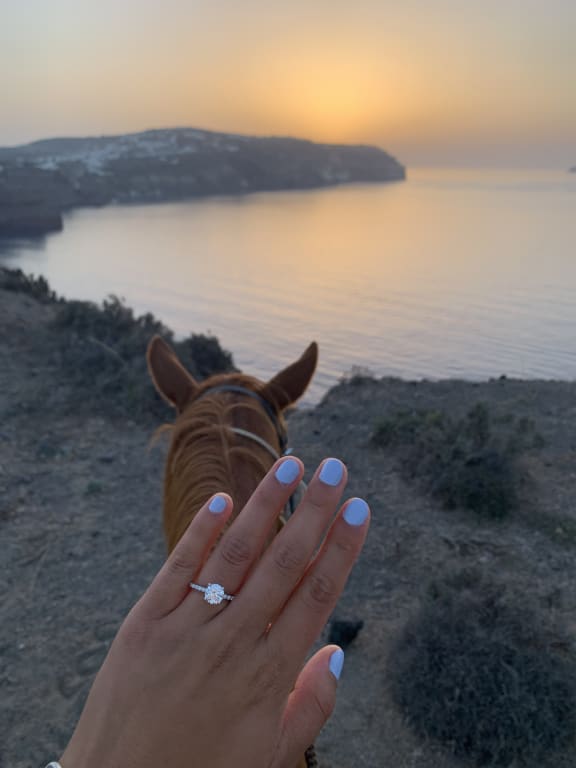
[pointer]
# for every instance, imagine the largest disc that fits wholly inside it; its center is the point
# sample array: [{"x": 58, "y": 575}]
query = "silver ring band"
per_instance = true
[{"x": 213, "y": 593}]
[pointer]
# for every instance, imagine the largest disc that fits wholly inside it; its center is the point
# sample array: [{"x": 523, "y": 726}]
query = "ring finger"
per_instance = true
[
  {"x": 243, "y": 542},
  {"x": 170, "y": 587}
]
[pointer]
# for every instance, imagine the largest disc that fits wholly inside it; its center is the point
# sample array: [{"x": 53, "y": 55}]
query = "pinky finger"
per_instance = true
[{"x": 171, "y": 584}]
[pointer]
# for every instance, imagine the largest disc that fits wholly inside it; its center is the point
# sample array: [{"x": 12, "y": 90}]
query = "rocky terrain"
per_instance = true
[
  {"x": 42, "y": 180},
  {"x": 80, "y": 501}
]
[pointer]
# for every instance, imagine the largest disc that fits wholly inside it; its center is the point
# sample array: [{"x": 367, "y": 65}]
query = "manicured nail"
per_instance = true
[
  {"x": 332, "y": 472},
  {"x": 287, "y": 472},
  {"x": 217, "y": 505},
  {"x": 336, "y": 663},
  {"x": 356, "y": 512}
]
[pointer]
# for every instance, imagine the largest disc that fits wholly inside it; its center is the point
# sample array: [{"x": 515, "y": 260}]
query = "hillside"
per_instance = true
[
  {"x": 42, "y": 180},
  {"x": 80, "y": 501}
]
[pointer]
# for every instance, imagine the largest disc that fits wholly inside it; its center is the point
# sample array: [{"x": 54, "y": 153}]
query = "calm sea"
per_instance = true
[{"x": 466, "y": 274}]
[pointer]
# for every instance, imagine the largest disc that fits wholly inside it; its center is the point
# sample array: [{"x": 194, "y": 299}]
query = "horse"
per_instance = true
[{"x": 229, "y": 430}]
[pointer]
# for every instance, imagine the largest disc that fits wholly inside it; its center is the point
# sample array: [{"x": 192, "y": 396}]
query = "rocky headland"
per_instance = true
[{"x": 39, "y": 182}]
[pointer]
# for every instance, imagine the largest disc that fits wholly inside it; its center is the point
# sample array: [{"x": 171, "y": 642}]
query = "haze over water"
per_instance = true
[{"x": 454, "y": 273}]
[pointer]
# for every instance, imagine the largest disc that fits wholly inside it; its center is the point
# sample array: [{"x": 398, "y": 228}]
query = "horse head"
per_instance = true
[{"x": 229, "y": 430}]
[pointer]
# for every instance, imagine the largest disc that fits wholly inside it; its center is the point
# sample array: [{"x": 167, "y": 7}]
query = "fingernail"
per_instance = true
[
  {"x": 217, "y": 505},
  {"x": 356, "y": 512},
  {"x": 332, "y": 472},
  {"x": 336, "y": 663},
  {"x": 287, "y": 472}
]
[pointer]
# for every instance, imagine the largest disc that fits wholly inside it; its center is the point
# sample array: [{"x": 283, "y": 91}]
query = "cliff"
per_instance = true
[{"x": 42, "y": 180}]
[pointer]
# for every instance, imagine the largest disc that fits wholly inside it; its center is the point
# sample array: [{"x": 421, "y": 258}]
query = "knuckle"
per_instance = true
[
  {"x": 267, "y": 496},
  {"x": 290, "y": 558},
  {"x": 236, "y": 551},
  {"x": 316, "y": 502},
  {"x": 135, "y": 634},
  {"x": 321, "y": 591},
  {"x": 323, "y": 705},
  {"x": 180, "y": 565},
  {"x": 344, "y": 544}
]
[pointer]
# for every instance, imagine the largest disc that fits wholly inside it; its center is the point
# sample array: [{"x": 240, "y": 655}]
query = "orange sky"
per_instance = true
[{"x": 433, "y": 81}]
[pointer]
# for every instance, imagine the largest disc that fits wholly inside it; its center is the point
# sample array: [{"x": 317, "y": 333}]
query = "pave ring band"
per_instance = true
[{"x": 213, "y": 593}]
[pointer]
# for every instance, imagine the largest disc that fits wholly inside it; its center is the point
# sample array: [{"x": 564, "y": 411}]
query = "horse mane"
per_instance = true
[{"x": 203, "y": 449}]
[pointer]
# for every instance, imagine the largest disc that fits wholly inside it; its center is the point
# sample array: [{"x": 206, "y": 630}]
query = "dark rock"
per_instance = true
[
  {"x": 343, "y": 633},
  {"x": 32, "y": 200}
]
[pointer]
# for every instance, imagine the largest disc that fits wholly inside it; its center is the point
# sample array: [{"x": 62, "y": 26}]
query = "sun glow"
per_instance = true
[
  {"x": 330, "y": 97},
  {"x": 428, "y": 82}
]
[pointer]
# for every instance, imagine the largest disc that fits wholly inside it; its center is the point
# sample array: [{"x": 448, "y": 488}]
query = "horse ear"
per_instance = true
[
  {"x": 170, "y": 377},
  {"x": 291, "y": 383}
]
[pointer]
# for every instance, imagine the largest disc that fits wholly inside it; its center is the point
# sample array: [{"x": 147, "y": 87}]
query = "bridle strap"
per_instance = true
[
  {"x": 270, "y": 412},
  {"x": 273, "y": 416},
  {"x": 251, "y": 436},
  {"x": 257, "y": 439}
]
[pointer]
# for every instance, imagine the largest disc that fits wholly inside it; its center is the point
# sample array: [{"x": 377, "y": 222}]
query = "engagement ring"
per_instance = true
[{"x": 213, "y": 593}]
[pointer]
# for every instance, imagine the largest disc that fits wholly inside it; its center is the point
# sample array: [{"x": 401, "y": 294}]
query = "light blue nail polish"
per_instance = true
[
  {"x": 336, "y": 663},
  {"x": 332, "y": 472},
  {"x": 356, "y": 512},
  {"x": 217, "y": 505},
  {"x": 287, "y": 472}
]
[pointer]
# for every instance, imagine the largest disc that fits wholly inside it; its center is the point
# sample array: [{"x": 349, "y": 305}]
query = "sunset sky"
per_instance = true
[{"x": 432, "y": 81}]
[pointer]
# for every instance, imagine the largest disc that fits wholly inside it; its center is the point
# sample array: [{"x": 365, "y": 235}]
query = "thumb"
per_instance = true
[{"x": 310, "y": 704}]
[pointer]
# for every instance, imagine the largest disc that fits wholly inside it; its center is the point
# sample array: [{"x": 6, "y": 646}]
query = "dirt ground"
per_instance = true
[{"x": 80, "y": 539}]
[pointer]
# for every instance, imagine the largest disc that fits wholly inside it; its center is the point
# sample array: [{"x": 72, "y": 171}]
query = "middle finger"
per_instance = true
[{"x": 285, "y": 561}]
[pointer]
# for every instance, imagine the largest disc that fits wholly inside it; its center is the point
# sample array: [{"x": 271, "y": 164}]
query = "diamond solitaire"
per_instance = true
[{"x": 213, "y": 593}]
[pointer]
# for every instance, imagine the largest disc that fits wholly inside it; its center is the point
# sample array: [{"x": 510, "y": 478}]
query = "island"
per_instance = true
[{"x": 40, "y": 181}]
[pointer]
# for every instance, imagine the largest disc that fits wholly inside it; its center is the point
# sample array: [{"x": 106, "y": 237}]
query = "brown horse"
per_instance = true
[{"x": 228, "y": 432}]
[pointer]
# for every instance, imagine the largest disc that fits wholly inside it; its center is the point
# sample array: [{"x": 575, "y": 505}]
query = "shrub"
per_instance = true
[
  {"x": 102, "y": 349},
  {"x": 464, "y": 462},
  {"x": 475, "y": 670},
  {"x": 37, "y": 287},
  {"x": 102, "y": 352},
  {"x": 357, "y": 375},
  {"x": 484, "y": 483},
  {"x": 205, "y": 355}
]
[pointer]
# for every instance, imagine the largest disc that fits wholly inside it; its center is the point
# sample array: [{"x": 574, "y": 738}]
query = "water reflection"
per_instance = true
[{"x": 468, "y": 274}]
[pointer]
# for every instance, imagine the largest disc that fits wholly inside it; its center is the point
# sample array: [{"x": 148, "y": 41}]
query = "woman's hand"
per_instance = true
[{"x": 186, "y": 683}]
